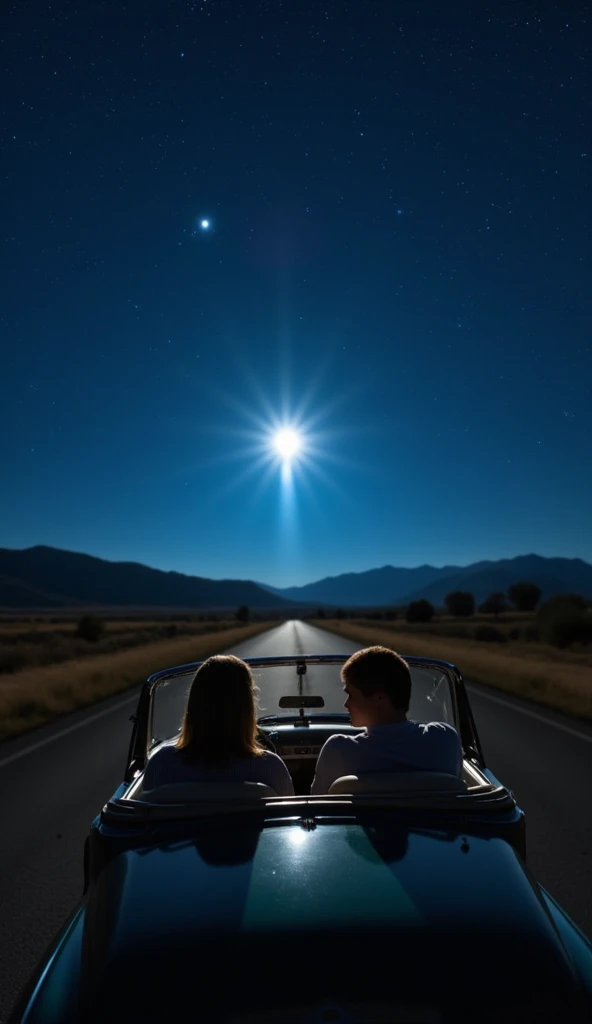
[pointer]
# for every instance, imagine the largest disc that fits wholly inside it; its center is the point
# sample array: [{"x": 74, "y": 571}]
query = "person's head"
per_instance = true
[
  {"x": 220, "y": 720},
  {"x": 377, "y": 682}
]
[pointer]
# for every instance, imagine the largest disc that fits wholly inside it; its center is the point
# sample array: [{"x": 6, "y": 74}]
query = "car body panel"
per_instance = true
[{"x": 448, "y": 906}]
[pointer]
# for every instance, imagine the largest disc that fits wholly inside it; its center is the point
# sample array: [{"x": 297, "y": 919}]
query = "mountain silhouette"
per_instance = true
[
  {"x": 45, "y": 577},
  {"x": 393, "y": 586}
]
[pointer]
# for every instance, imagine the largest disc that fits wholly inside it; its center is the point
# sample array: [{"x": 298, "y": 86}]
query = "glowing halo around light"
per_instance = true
[
  {"x": 287, "y": 443},
  {"x": 204, "y": 224}
]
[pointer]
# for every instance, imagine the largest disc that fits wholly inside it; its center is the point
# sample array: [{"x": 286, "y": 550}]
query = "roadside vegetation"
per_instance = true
[
  {"x": 542, "y": 652},
  {"x": 43, "y": 640},
  {"x": 65, "y": 665}
]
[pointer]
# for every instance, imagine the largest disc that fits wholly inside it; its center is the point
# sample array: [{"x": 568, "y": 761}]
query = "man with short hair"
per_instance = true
[{"x": 377, "y": 682}]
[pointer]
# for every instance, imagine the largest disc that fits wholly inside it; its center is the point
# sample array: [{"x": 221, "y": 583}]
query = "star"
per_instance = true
[{"x": 204, "y": 224}]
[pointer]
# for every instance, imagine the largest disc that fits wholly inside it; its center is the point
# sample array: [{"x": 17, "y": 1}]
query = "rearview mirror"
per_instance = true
[{"x": 301, "y": 702}]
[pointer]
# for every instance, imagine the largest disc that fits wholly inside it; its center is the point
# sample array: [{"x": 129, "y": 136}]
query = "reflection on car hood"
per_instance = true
[{"x": 288, "y": 916}]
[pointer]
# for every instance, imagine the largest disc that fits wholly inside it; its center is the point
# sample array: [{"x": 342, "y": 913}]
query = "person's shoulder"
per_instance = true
[
  {"x": 340, "y": 741},
  {"x": 167, "y": 753},
  {"x": 268, "y": 755},
  {"x": 441, "y": 729}
]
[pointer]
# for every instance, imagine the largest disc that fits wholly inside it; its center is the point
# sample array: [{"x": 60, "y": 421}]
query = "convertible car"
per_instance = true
[{"x": 391, "y": 898}]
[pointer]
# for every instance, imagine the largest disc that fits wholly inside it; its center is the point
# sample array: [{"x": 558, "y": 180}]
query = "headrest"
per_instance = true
[
  {"x": 399, "y": 782},
  {"x": 195, "y": 792}
]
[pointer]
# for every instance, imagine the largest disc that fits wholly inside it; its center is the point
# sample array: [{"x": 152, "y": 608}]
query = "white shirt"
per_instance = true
[{"x": 400, "y": 746}]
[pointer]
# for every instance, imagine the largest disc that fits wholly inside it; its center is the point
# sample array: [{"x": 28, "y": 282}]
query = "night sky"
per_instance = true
[{"x": 396, "y": 263}]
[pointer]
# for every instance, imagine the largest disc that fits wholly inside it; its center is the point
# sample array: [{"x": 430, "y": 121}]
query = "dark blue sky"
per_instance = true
[{"x": 398, "y": 262}]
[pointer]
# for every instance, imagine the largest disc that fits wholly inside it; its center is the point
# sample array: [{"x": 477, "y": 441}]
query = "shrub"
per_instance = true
[
  {"x": 419, "y": 611},
  {"x": 90, "y": 628},
  {"x": 390, "y": 614},
  {"x": 242, "y": 613},
  {"x": 321, "y": 613},
  {"x": 524, "y": 595},
  {"x": 531, "y": 634},
  {"x": 565, "y": 628},
  {"x": 340, "y": 614},
  {"x": 490, "y": 634},
  {"x": 494, "y": 604},
  {"x": 460, "y": 603},
  {"x": 564, "y": 620},
  {"x": 575, "y": 602}
]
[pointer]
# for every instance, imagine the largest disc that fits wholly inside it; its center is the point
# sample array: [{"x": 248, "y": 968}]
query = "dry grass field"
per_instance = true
[
  {"x": 560, "y": 679},
  {"x": 47, "y": 640},
  {"x": 33, "y": 696}
]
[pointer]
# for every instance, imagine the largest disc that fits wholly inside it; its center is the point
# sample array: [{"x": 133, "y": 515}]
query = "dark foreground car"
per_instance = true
[{"x": 390, "y": 899}]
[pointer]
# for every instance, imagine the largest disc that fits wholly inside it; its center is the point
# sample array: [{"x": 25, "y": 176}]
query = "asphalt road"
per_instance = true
[{"x": 53, "y": 782}]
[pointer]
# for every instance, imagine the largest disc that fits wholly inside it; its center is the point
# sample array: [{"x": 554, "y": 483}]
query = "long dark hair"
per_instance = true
[{"x": 220, "y": 721}]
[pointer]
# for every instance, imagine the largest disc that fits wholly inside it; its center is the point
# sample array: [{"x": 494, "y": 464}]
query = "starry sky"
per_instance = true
[{"x": 367, "y": 221}]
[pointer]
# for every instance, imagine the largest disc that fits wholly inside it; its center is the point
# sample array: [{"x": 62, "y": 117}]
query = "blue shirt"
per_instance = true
[
  {"x": 401, "y": 746},
  {"x": 168, "y": 765}
]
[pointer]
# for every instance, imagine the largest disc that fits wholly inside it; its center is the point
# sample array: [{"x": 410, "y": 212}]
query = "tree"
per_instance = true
[
  {"x": 460, "y": 603},
  {"x": 242, "y": 613},
  {"x": 524, "y": 595},
  {"x": 419, "y": 611},
  {"x": 494, "y": 604},
  {"x": 321, "y": 613},
  {"x": 340, "y": 614},
  {"x": 90, "y": 628}
]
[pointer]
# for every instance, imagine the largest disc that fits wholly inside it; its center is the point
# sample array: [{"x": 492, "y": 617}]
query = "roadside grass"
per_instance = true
[
  {"x": 68, "y": 624},
  {"x": 24, "y": 646},
  {"x": 33, "y": 697},
  {"x": 557, "y": 679}
]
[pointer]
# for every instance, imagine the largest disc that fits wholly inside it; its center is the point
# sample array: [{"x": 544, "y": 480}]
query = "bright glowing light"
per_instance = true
[
  {"x": 204, "y": 224},
  {"x": 297, "y": 836},
  {"x": 287, "y": 443}
]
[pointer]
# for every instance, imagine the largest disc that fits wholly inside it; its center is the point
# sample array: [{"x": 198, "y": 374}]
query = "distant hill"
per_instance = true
[
  {"x": 46, "y": 577},
  {"x": 392, "y": 586},
  {"x": 16, "y": 594},
  {"x": 373, "y": 587}
]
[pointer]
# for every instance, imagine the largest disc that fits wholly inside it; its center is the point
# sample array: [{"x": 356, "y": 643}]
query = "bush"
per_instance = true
[
  {"x": 564, "y": 620},
  {"x": 494, "y": 604},
  {"x": 460, "y": 603},
  {"x": 524, "y": 595},
  {"x": 567, "y": 628},
  {"x": 90, "y": 628},
  {"x": 419, "y": 611},
  {"x": 531, "y": 634},
  {"x": 490, "y": 634},
  {"x": 321, "y": 613},
  {"x": 575, "y": 602},
  {"x": 242, "y": 613}
]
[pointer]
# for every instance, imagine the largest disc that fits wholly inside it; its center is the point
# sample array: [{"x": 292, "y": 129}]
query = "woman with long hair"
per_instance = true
[{"x": 218, "y": 740}]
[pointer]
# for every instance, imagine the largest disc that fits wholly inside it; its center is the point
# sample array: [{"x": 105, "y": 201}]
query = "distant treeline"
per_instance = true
[{"x": 563, "y": 620}]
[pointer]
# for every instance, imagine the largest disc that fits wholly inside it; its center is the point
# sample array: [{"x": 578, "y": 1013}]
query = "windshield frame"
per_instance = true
[{"x": 142, "y": 719}]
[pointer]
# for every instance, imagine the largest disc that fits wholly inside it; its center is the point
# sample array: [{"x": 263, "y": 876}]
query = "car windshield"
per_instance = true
[{"x": 431, "y": 698}]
